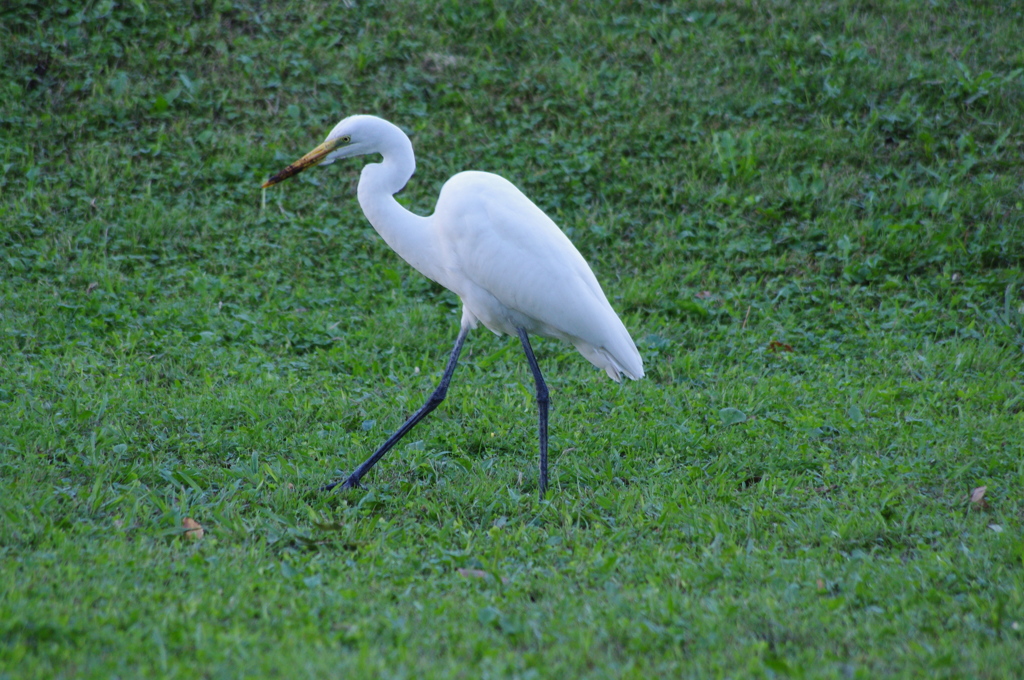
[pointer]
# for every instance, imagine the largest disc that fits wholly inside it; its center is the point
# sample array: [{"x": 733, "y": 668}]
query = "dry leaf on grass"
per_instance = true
[
  {"x": 978, "y": 497},
  {"x": 194, "y": 530}
]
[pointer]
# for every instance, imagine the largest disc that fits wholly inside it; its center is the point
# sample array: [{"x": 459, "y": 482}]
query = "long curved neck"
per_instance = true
[{"x": 407, "y": 233}]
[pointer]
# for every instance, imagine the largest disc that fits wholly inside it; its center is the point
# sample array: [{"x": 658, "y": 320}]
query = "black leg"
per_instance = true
[
  {"x": 542, "y": 410},
  {"x": 436, "y": 398}
]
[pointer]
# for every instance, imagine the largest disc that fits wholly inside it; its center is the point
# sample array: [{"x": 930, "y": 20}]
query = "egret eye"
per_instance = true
[{"x": 339, "y": 142}]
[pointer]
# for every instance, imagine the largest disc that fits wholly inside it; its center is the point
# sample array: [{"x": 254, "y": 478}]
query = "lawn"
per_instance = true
[{"x": 809, "y": 216}]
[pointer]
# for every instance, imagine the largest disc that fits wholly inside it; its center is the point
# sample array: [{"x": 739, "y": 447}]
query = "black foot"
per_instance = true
[{"x": 349, "y": 483}]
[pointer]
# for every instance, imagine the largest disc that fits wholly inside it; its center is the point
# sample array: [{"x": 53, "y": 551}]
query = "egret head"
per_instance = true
[{"x": 354, "y": 136}]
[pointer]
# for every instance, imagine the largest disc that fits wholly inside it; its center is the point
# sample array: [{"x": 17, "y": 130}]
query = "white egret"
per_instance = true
[{"x": 513, "y": 268}]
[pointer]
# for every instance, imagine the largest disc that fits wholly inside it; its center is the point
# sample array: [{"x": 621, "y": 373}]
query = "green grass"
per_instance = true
[{"x": 810, "y": 217}]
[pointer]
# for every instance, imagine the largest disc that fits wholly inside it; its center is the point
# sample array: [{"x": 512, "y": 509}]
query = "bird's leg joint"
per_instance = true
[{"x": 437, "y": 396}]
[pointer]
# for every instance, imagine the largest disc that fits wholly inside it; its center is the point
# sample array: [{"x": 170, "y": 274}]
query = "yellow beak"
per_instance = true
[{"x": 314, "y": 157}]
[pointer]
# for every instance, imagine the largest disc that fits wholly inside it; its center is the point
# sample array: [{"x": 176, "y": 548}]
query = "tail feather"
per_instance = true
[{"x": 624, "y": 362}]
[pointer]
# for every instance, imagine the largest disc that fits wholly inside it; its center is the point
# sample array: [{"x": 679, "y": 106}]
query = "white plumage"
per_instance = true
[{"x": 512, "y": 267}]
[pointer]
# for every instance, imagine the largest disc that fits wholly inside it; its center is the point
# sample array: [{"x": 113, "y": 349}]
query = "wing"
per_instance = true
[{"x": 513, "y": 267}]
